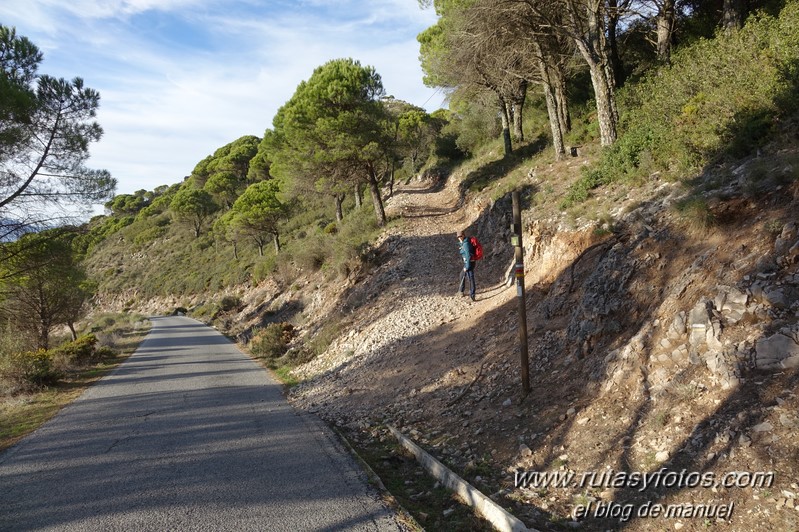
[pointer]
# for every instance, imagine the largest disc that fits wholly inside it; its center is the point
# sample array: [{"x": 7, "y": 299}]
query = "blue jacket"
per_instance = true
[{"x": 466, "y": 251}]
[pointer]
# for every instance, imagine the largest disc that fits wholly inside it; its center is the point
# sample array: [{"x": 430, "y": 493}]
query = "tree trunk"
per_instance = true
[
  {"x": 605, "y": 104},
  {"x": 732, "y": 17},
  {"x": 44, "y": 336},
  {"x": 593, "y": 48},
  {"x": 665, "y": 27},
  {"x": 552, "y": 106},
  {"x": 339, "y": 199},
  {"x": 374, "y": 189},
  {"x": 503, "y": 111},
  {"x": 276, "y": 240},
  {"x": 554, "y": 122},
  {"x": 561, "y": 100},
  {"x": 72, "y": 330},
  {"x": 358, "y": 196},
  {"x": 517, "y": 107},
  {"x": 235, "y": 250},
  {"x": 391, "y": 180},
  {"x": 613, "y": 43}
]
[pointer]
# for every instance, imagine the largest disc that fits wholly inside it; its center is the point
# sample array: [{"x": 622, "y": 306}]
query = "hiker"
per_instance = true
[{"x": 467, "y": 254}]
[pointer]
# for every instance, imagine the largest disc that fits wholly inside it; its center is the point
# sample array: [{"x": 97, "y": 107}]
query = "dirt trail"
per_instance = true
[{"x": 418, "y": 335}]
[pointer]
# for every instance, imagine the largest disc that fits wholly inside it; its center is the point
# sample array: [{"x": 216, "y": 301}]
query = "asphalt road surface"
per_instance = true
[{"x": 187, "y": 434}]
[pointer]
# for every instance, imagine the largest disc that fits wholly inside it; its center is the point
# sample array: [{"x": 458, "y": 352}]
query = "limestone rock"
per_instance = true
[{"x": 771, "y": 351}]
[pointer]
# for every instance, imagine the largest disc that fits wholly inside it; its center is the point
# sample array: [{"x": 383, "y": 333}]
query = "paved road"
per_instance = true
[{"x": 187, "y": 434}]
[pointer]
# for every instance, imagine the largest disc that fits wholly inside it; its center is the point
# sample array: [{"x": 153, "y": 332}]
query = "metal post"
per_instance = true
[{"x": 516, "y": 240}]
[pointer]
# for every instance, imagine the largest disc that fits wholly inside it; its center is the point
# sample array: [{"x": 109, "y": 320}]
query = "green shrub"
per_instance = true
[
  {"x": 696, "y": 213},
  {"x": 313, "y": 254},
  {"x": 79, "y": 351},
  {"x": 29, "y": 369},
  {"x": 148, "y": 235},
  {"x": 296, "y": 357},
  {"x": 104, "y": 352},
  {"x": 581, "y": 188},
  {"x": 229, "y": 303},
  {"x": 271, "y": 342},
  {"x": 719, "y": 97}
]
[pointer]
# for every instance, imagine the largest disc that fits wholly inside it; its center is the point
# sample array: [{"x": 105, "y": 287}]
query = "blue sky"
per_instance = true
[{"x": 180, "y": 78}]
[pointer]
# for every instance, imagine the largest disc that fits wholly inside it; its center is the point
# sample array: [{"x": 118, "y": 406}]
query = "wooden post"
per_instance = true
[{"x": 516, "y": 240}]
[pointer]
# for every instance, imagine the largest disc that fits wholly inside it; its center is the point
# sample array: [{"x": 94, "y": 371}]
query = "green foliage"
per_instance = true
[
  {"x": 472, "y": 123},
  {"x": 271, "y": 342},
  {"x": 43, "y": 283},
  {"x": 334, "y": 132},
  {"x": 719, "y": 98},
  {"x": 696, "y": 213},
  {"x": 24, "y": 370},
  {"x": 194, "y": 206},
  {"x": 257, "y": 212},
  {"x": 77, "y": 352},
  {"x": 46, "y": 127},
  {"x": 127, "y": 204},
  {"x": 29, "y": 370},
  {"x": 160, "y": 202},
  {"x": 148, "y": 235},
  {"x": 100, "y": 228},
  {"x": 580, "y": 189},
  {"x": 224, "y": 186},
  {"x": 229, "y": 303},
  {"x": 233, "y": 158},
  {"x": 323, "y": 338}
]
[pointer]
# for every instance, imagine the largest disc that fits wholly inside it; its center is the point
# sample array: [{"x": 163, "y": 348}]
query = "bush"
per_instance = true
[
  {"x": 148, "y": 235},
  {"x": 271, "y": 342},
  {"x": 581, "y": 188},
  {"x": 696, "y": 213},
  {"x": 29, "y": 369},
  {"x": 720, "y": 97},
  {"x": 229, "y": 303},
  {"x": 79, "y": 351}
]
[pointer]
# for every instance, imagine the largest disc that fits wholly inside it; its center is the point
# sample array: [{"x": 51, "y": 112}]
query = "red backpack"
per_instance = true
[{"x": 477, "y": 248}]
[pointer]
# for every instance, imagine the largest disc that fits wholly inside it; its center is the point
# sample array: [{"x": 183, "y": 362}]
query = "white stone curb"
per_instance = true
[{"x": 485, "y": 507}]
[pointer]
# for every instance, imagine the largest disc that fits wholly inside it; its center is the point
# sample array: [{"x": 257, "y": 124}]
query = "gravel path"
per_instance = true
[{"x": 414, "y": 325}]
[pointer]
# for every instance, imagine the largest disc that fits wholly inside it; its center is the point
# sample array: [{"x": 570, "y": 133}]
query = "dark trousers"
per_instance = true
[{"x": 470, "y": 275}]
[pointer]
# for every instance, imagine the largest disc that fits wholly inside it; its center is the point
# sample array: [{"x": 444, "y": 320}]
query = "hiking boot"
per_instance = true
[{"x": 472, "y": 298}]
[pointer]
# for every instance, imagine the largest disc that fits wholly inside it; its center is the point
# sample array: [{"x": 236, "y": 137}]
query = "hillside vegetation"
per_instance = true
[
  {"x": 661, "y": 267},
  {"x": 719, "y": 99}
]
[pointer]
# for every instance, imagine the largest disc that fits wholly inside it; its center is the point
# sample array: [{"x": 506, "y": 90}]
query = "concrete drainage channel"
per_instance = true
[{"x": 499, "y": 518}]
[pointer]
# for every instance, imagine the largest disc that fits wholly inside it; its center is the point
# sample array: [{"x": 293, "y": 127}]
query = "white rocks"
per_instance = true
[
  {"x": 763, "y": 427},
  {"x": 731, "y": 302},
  {"x": 789, "y": 422},
  {"x": 772, "y": 351}
]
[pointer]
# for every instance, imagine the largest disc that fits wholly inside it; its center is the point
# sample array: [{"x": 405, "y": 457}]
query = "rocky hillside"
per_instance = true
[{"x": 661, "y": 339}]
